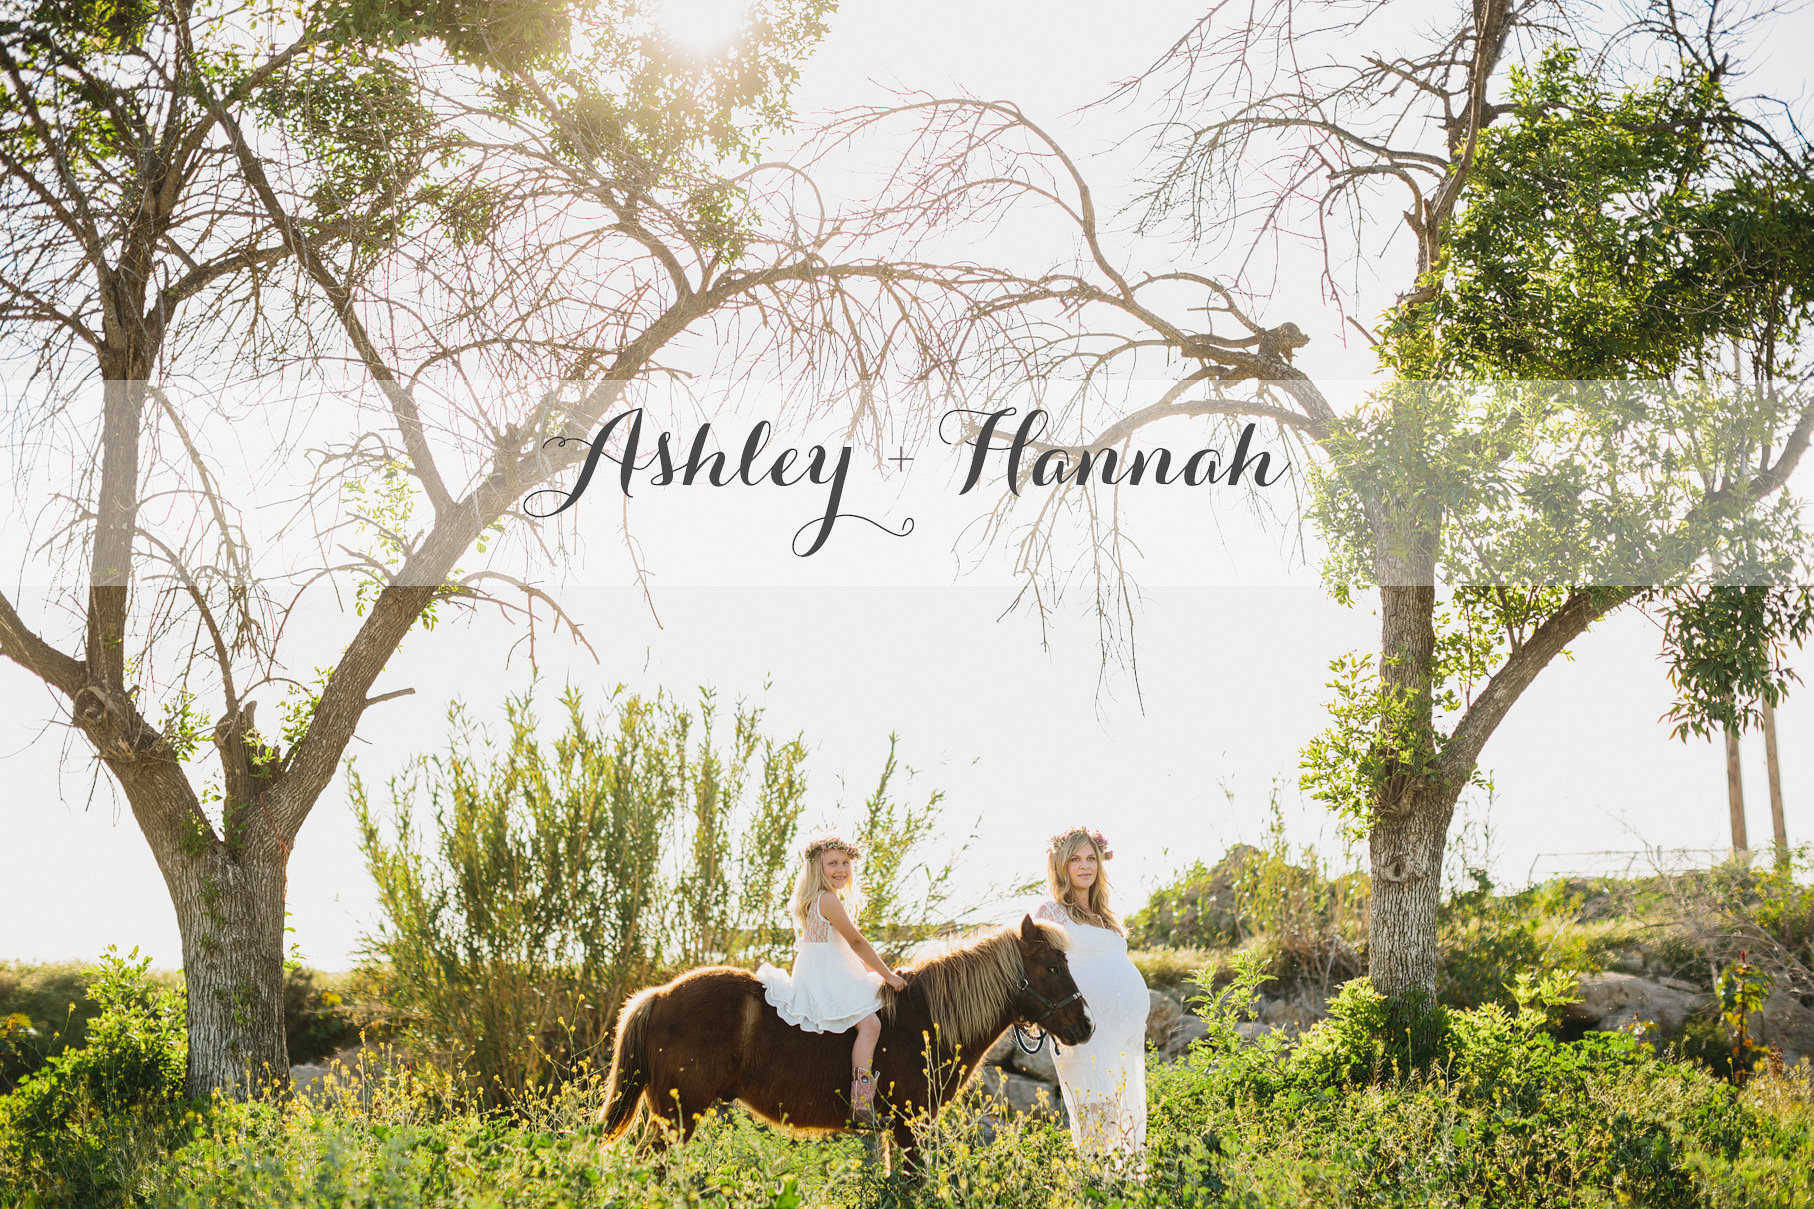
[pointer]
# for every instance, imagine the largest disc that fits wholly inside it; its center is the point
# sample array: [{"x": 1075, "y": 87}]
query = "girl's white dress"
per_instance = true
[
  {"x": 1104, "y": 1079},
  {"x": 830, "y": 989}
]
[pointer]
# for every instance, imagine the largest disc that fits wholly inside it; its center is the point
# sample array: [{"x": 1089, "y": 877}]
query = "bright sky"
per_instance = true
[{"x": 1024, "y": 739}]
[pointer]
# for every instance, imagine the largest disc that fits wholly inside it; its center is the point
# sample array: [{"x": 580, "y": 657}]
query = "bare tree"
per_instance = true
[
  {"x": 1280, "y": 122},
  {"x": 184, "y": 200}
]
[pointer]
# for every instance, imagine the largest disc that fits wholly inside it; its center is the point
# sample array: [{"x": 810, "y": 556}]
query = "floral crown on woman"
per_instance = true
[
  {"x": 1103, "y": 851},
  {"x": 825, "y": 842}
]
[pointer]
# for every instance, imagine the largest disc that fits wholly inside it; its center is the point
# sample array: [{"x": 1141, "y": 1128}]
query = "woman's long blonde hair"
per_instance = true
[
  {"x": 811, "y": 883},
  {"x": 1059, "y": 852}
]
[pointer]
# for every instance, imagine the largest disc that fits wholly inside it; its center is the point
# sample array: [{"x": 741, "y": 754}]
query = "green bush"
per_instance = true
[
  {"x": 1482, "y": 937},
  {"x": 552, "y": 882},
  {"x": 83, "y": 1129},
  {"x": 1307, "y": 923},
  {"x": 316, "y": 1019},
  {"x": 44, "y": 1010},
  {"x": 1504, "y": 1113},
  {"x": 1273, "y": 891}
]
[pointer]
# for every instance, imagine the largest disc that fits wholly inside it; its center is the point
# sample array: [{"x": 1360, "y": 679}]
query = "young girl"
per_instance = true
[{"x": 830, "y": 989}]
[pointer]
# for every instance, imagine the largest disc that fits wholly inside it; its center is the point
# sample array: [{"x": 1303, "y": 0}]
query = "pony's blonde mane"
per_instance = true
[{"x": 967, "y": 986}]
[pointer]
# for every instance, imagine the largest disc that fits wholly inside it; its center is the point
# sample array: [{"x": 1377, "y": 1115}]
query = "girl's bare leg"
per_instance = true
[
  {"x": 869, "y": 1030},
  {"x": 862, "y": 1056}
]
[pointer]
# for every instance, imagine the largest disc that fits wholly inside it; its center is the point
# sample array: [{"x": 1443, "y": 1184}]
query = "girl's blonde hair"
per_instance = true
[
  {"x": 811, "y": 883},
  {"x": 1097, "y": 912}
]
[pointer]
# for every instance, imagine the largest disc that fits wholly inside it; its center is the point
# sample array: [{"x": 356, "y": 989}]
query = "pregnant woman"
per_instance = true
[{"x": 1104, "y": 1080}]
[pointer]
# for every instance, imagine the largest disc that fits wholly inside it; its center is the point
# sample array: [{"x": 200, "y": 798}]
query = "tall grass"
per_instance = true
[
  {"x": 1504, "y": 1114},
  {"x": 527, "y": 889}
]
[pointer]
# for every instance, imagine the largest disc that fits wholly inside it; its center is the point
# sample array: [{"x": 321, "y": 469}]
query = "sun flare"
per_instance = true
[{"x": 702, "y": 26}]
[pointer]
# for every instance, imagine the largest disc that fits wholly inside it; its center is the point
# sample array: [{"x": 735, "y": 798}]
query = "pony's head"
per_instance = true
[
  {"x": 1047, "y": 995},
  {"x": 1020, "y": 972}
]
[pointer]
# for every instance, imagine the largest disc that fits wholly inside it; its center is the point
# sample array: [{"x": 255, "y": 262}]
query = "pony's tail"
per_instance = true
[{"x": 629, "y": 1063}]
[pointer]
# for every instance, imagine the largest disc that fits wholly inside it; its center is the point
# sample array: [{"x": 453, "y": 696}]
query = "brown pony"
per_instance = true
[{"x": 710, "y": 1035}]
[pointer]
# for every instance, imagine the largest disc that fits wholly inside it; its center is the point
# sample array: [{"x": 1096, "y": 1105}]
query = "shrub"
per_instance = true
[
  {"x": 1505, "y": 1113},
  {"x": 1251, "y": 892},
  {"x": 1164, "y": 968},
  {"x": 316, "y": 1020},
  {"x": 44, "y": 1010},
  {"x": 1765, "y": 914},
  {"x": 1307, "y": 924},
  {"x": 1482, "y": 938},
  {"x": 83, "y": 1129},
  {"x": 550, "y": 883}
]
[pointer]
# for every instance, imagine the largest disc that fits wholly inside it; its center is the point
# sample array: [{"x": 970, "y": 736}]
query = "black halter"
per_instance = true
[{"x": 1052, "y": 1009}]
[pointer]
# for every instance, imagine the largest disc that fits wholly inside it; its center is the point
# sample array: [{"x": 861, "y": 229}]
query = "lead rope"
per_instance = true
[{"x": 1020, "y": 1039}]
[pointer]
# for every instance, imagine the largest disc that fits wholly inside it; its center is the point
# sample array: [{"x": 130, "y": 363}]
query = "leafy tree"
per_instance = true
[
  {"x": 426, "y": 196},
  {"x": 1561, "y": 227}
]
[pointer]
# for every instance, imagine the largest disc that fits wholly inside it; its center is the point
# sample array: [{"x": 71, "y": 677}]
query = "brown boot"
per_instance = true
[{"x": 862, "y": 1099}]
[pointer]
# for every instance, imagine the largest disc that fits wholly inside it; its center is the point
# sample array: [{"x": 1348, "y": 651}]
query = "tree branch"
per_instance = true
[{"x": 18, "y": 643}]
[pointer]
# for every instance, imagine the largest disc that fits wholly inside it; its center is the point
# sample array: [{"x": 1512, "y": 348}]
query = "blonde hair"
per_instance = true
[
  {"x": 811, "y": 883},
  {"x": 1059, "y": 852}
]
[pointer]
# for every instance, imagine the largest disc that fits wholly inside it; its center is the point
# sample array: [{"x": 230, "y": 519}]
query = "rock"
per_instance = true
[
  {"x": 1024, "y": 1095},
  {"x": 1630, "y": 960},
  {"x": 1004, "y": 1092},
  {"x": 1294, "y": 1015},
  {"x": 305, "y": 1075},
  {"x": 999, "y": 1052},
  {"x": 358, "y": 1067},
  {"x": 1250, "y": 1031},
  {"x": 1038, "y": 1065},
  {"x": 1612, "y": 1001},
  {"x": 1787, "y": 1025},
  {"x": 991, "y": 1085},
  {"x": 1187, "y": 1030},
  {"x": 1162, "y": 1017}
]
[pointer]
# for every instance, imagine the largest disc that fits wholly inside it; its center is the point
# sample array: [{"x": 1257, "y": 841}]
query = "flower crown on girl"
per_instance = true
[
  {"x": 1103, "y": 851},
  {"x": 825, "y": 842}
]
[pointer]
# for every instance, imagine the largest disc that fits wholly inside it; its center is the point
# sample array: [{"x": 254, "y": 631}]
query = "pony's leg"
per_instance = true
[
  {"x": 679, "y": 1115},
  {"x": 689, "y": 1095},
  {"x": 667, "y": 1120}
]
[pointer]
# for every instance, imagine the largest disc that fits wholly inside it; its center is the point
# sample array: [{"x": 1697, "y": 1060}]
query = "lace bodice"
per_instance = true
[
  {"x": 1053, "y": 912},
  {"x": 817, "y": 929}
]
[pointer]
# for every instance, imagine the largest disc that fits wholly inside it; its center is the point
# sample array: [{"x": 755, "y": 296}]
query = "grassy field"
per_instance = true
[
  {"x": 1473, "y": 1099},
  {"x": 1479, "y": 1106}
]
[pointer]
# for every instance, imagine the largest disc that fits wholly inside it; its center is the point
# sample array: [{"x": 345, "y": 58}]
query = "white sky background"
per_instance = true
[{"x": 1022, "y": 739}]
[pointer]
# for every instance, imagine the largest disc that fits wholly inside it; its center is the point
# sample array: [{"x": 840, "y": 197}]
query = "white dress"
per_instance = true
[
  {"x": 1104, "y": 1079},
  {"x": 830, "y": 989}
]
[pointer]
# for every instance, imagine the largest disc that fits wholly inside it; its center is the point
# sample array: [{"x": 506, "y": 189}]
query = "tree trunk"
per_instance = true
[
  {"x": 229, "y": 900},
  {"x": 1735, "y": 795},
  {"x": 1412, "y": 812},
  {"x": 1405, "y": 850},
  {"x": 231, "y": 914},
  {"x": 1779, "y": 829}
]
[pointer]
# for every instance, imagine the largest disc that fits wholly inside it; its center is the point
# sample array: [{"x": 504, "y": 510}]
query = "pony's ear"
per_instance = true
[{"x": 1029, "y": 931}]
